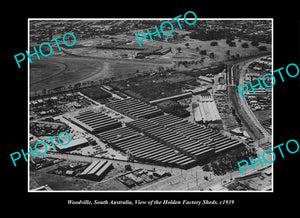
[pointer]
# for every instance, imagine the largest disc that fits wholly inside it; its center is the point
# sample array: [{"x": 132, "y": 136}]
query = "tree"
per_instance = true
[
  {"x": 229, "y": 40},
  {"x": 175, "y": 35},
  {"x": 206, "y": 167},
  {"x": 160, "y": 69},
  {"x": 179, "y": 49},
  {"x": 255, "y": 43},
  {"x": 187, "y": 45},
  {"x": 214, "y": 43},
  {"x": 232, "y": 44},
  {"x": 262, "y": 48},
  {"x": 203, "y": 52},
  {"x": 228, "y": 52},
  {"x": 212, "y": 55},
  {"x": 128, "y": 167},
  {"x": 245, "y": 45},
  {"x": 77, "y": 85}
]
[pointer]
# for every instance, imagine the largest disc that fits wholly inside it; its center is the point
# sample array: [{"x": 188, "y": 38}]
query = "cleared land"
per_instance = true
[
  {"x": 45, "y": 70},
  {"x": 64, "y": 71},
  {"x": 86, "y": 62},
  {"x": 191, "y": 51},
  {"x": 74, "y": 71},
  {"x": 89, "y": 63}
]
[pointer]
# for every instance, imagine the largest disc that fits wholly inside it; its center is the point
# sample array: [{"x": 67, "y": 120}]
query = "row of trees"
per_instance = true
[{"x": 230, "y": 43}]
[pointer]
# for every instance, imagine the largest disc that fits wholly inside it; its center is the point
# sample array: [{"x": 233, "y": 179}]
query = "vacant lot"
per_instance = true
[
  {"x": 220, "y": 50},
  {"x": 64, "y": 71},
  {"x": 44, "y": 70},
  {"x": 60, "y": 182},
  {"x": 47, "y": 73},
  {"x": 190, "y": 49}
]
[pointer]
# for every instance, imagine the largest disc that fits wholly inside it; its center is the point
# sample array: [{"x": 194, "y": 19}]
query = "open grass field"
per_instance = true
[
  {"x": 63, "y": 71},
  {"x": 45, "y": 70},
  {"x": 220, "y": 49},
  {"x": 60, "y": 182},
  {"x": 59, "y": 71},
  {"x": 190, "y": 52},
  {"x": 88, "y": 63}
]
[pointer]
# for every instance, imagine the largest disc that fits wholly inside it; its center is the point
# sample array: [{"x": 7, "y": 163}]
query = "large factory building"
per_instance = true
[{"x": 95, "y": 122}]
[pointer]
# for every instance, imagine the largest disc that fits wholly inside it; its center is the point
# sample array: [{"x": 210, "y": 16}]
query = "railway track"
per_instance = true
[{"x": 254, "y": 127}]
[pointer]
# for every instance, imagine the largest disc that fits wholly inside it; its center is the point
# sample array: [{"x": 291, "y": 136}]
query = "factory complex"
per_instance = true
[
  {"x": 154, "y": 136},
  {"x": 116, "y": 126},
  {"x": 112, "y": 123}
]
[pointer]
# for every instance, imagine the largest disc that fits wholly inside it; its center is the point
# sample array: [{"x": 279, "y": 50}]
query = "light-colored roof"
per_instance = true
[{"x": 73, "y": 143}]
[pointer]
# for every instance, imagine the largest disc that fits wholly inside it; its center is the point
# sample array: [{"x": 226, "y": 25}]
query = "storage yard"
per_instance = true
[{"x": 225, "y": 110}]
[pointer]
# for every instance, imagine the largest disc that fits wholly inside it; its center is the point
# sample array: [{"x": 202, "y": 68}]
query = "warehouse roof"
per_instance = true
[
  {"x": 73, "y": 143},
  {"x": 95, "y": 121}
]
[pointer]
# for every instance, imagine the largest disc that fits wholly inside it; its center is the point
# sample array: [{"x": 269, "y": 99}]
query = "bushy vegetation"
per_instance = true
[
  {"x": 95, "y": 93},
  {"x": 154, "y": 86},
  {"x": 262, "y": 48},
  {"x": 214, "y": 43},
  {"x": 174, "y": 108},
  {"x": 245, "y": 45},
  {"x": 227, "y": 162}
]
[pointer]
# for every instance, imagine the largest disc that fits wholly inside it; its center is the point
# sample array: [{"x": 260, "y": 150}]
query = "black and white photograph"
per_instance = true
[
  {"x": 164, "y": 116},
  {"x": 183, "y": 107}
]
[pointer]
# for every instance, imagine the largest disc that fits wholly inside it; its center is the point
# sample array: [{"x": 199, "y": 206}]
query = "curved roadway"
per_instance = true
[{"x": 241, "y": 106}]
